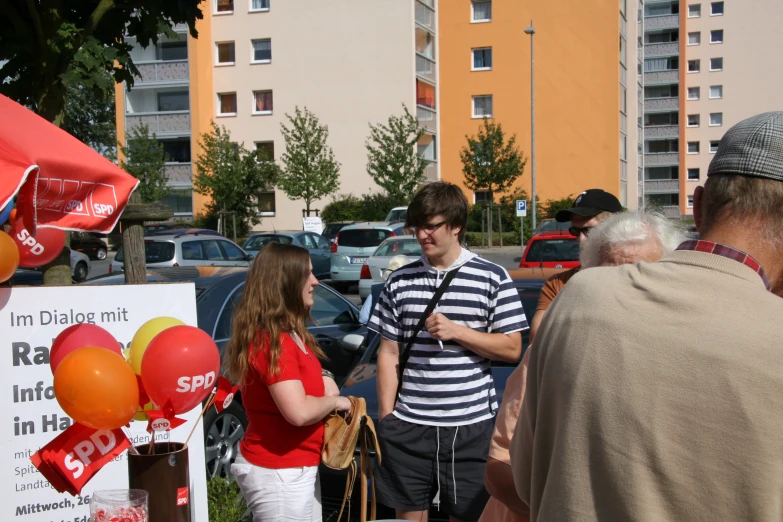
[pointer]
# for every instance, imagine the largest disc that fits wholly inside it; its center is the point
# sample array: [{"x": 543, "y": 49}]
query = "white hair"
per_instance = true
[
  {"x": 629, "y": 229},
  {"x": 395, "y": 263}
]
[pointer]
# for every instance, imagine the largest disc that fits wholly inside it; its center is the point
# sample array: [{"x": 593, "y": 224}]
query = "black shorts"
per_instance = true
[{"x": 411, "y": 475}]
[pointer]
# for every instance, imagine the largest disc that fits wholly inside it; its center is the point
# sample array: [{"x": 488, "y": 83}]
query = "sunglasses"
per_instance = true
[{"x": 575, "y": 231}]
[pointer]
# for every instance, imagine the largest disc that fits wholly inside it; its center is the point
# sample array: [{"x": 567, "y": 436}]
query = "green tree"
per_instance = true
[
  {"x": 145, "y": 160},
  {"x": 232, "y": 177},
  {"x": 491, "y": 163},
  {"x": 309, "y": 171},
  {"x": 551, "y": 207},
  {"x": 90, "y": 117},
  {"x": 48, "y": 45},
  {"x": 392, "y": 159}
]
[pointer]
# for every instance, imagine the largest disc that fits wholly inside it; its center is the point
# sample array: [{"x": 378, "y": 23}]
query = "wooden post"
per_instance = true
[
  {"x": 500, "y": 224},
  {"x": 132, "y": 222}
]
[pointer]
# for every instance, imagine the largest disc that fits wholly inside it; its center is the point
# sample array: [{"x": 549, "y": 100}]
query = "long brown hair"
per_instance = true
[{"x": 271, "y": 305}]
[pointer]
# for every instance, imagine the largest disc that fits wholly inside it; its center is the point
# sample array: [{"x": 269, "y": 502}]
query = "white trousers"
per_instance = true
[{"x": 287, "y": 494}]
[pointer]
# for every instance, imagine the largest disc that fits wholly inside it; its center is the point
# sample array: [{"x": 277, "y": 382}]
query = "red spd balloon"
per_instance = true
[
  {"x": 180, "y": 367},
  {"x": 37, "y": 250},
  {"x": 79, "y": 336}
]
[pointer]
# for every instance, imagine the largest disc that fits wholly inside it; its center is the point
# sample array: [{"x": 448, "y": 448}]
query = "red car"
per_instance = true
[{"x": 551, "y": 250}]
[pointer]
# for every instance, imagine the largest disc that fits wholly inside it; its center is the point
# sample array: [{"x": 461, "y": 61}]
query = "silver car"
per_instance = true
[
  {"x": 352, "y": 247},
  {"x": 187, "y": 248},
  {"x": 378, "y": 263}
]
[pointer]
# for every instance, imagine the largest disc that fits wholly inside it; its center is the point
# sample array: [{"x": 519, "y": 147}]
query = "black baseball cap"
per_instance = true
[{"x": 591, "y": 203}]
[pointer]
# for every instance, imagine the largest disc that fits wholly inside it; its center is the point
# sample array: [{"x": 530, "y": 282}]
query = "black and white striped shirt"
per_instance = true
[{"x": 448, "y": 386}]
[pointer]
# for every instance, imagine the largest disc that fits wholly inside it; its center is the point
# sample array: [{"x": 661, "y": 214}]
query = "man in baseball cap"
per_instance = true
[
  {"x": 589, "y": 208},
  {"x": 653, "y": 388}
]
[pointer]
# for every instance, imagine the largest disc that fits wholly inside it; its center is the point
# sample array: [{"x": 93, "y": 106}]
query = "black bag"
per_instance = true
[{"x": 444, "y": 285}]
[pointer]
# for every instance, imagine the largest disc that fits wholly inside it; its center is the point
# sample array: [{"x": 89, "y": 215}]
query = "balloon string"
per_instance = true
[
  {"x": 151, "y": 449},
  {"x": 203, "y": 410}
]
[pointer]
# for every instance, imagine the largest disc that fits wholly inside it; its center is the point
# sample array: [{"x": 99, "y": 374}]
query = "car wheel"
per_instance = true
[
  {"x": 101, "y": 254},
  {"x": 80, "y": 272},
  {"x": 222, "y": 433}
]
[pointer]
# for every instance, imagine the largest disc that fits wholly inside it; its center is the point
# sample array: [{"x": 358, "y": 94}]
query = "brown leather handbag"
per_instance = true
[{"x": 341, "y": 436}]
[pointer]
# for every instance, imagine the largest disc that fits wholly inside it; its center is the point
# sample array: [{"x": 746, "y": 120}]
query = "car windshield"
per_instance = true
[
  {"x": 364, "y": 237},
  {"x": 154, "y": 252},
  {"x": 395, "y": 247},
  {"x": 542, "y": 250},
  {"x": 255, "y": 243},
  {"x": 332, "y": 229},
  {"x": 397, "y": 215}
]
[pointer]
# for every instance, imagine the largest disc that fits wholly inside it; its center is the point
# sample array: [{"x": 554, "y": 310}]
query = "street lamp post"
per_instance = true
[{"x": 531, "y": 31}]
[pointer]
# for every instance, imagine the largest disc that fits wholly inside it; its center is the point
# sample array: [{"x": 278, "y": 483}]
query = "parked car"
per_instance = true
[
  {"x": 551, "y": 250},
  {"x": 193, "y": 247},
  {"x": 362, "y": 383},
  {"x": 552, "y": 225},
  {"x": 352, "y": 247},
  {"x": 318, "y": 246},
  {"x": 397, "y": 214},
  {"x": 154, "y": 228},
  {"x": 80, "y": 270},
  {"x": 336, "y": 328},
  {"x": 374, "y": 270},
  {"x": 331, "y": 229},
  {"x": 90, "y": 244}
]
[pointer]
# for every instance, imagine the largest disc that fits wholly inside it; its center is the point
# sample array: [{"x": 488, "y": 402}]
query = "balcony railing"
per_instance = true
[
  {"x": 425, "y": 16},
  {"x": 661, "y": 49},
  {"x": 661, "y": 104},
  {"x": 661, "y": 159},
  {"x": 179, "y": 172},
  {"x": 161, "y": 122},
  {"x": 661, "y": 186},
  {"x": 672, "y": 211},
  {"x": 163, "y": 72},
  {"x": 661, "y": 77},
  {"x": 427, "y": 118},
  {"x": 662, "y": 131},
  {"x": 431, "y": 171},
  {"x": 661, "y": 22},
  {"x": 425, "y": 68}
]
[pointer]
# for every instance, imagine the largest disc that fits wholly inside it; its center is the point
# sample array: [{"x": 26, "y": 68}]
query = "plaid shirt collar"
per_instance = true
[{"x": 727, "y": 251}]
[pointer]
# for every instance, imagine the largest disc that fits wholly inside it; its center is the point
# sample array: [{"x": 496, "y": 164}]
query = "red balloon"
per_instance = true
[
  {"x": 180, "y": 367},
  {"x": 37, "y": 250},
  {"x": 78, "y": 336}
]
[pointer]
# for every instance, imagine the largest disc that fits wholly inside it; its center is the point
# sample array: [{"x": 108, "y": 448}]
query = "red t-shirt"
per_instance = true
[{"x": 270, "y": 440}]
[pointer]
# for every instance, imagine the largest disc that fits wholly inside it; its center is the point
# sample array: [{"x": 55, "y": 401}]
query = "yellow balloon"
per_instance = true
[
  {"x": 143, "y": 337},
  {"x": 141, "y": 416}
]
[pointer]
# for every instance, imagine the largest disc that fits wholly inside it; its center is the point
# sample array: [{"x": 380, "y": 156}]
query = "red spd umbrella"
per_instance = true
[{"x": 62, "y": 183}]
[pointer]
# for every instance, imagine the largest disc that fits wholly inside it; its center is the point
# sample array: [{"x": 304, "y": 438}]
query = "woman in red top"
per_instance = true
[{"x": 285, "y": 392}]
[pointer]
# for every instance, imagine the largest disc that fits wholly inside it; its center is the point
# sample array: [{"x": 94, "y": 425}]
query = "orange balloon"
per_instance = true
[
  {"x": 12, "y": 217},
  {"x": 97, "y": 388},
  {"x": 9, "y": 257}
]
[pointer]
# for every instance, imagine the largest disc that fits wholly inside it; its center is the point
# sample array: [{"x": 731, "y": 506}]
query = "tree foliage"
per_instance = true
[
  {"x": 232, "y": 177},
  {"x": 489, "y": 162},
  {"x": 392, "y": 159},
  {"x": 550, "y": 208},
  {"x": 144, "y": 159},
  {"x": 90, "y": 117},
  {"x": 368, "y": 207},
  {"x": 49, "y": 45},
  {"x": 309, "y": 171}
]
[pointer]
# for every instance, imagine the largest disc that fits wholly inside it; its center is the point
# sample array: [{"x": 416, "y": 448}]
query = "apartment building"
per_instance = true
[
  {"x": 588, "y": 90},
  {"x": 254, "y": 61},
  {"x": 708, "y": 65}
]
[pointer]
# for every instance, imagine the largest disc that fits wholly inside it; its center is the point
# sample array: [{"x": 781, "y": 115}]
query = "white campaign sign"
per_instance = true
[
  {"x": 312, "y": 224},
  {"x": 30, "y": 318}
]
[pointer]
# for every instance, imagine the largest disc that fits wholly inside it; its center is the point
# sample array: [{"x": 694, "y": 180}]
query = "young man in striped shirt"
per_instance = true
[{"x": 435, "y": 435}]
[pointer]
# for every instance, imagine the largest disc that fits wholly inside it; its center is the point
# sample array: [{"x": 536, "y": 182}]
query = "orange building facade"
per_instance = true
[{"x": 585, "y": 118}]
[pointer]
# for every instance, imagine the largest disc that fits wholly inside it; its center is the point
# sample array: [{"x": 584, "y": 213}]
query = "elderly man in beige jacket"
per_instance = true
[{"x": 654, "y": 389}]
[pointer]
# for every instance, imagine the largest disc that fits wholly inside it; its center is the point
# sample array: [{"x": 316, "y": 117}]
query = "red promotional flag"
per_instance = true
[
  {"x": 61, "y": 182},
  {"x": 225, "y": 394},
  {"x": 78, "y": 453},
  {"x": 160, "y": 421}
]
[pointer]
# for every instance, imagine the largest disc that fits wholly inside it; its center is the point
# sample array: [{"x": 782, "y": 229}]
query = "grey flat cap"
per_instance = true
[{"x": 753, "y": 147}]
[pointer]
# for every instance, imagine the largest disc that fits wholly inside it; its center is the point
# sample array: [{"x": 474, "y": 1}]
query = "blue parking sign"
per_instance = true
[{"x": 521, "y": 207}]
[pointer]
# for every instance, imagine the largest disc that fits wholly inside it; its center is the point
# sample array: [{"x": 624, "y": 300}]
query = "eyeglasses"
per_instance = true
[
  {"x": 430, "y": 229},
  {"x": 575, "y": 231}
]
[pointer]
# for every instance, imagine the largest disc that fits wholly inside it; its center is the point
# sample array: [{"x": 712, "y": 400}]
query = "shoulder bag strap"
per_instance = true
[{"x": 427, "y": 311}]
